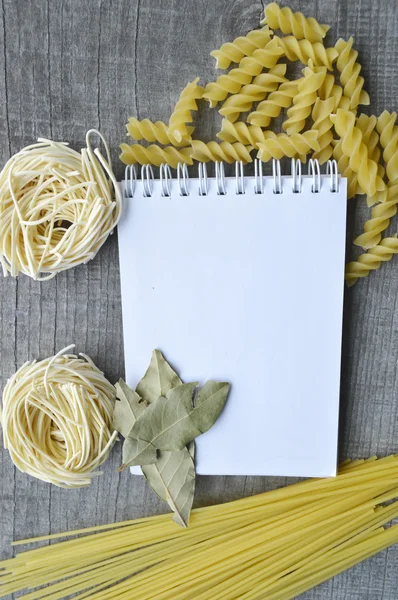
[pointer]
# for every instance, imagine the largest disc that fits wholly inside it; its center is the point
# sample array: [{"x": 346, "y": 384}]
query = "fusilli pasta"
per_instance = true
[
  {"x": 154, "y": 155},
  {"x": 294, "y": 22},
  {"x": 254, "y": 92},
  {"x": 371, "y": 260},
  {"x": 240, "y": 132},
  {"x": 220, "y": 152},
  {"x": 233, "y": 52},
  {"x": 345, "y": 170},
  {"x": 389, "y": 141},
  {"x": 322, "y": 123},
  {"x": 330, "y": 89},
  {"x": 367, "y": 124},
  {"x": 382, "y": 214},
  {"x": 271, "y": 108},
  {"x": 279, "y": 145},
  {"x": 187, "y": 102},
  {"x": 305, "y": 51},
  {"x": 249, "y": 67},
  {"x": 353, "y": 147},
  {"x": 153, "y": 132},
  {"x": 349, "y": 73},
  {"x": 304, "y": 100}
]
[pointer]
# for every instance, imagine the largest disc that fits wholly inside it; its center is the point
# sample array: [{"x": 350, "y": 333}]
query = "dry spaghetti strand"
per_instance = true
[{"x": 275, "y": 545}]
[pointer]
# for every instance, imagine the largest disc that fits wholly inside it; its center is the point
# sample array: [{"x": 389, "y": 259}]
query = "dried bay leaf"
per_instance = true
[
  {"x": 172, "y": 477},
  {"x": 159, "y": 379},
  {"x": 171, "y": 471},
  {"x": 170, "y": 423},
  {"x": 128, "y": 407},
  {"x": 137, "y": 452}
]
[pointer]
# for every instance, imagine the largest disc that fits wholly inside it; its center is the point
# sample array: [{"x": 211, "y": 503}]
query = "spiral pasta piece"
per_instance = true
[
  {"x": 323, "y": 125},
  {"x": 254, "y": 92},
  {"x": 57, "y": 419},
  {"x": 371, "y": 260},
  {"x": 304, "y": 100},
  {"x": 279, "y": 145},
  {"x": 249, "y": 67},
  {"x": 305, "y": 51},
  {"x": 220, "y": 152},
  {"x": 382, "y": 214},
  {"x": 248, "y": 135},
  {"x": 353, "y": 147},
  {"x": 389, "y": 141},
  {"x": 294, "y": 22},
  {"x": 366, "y": 125},
  {"x": 153, "y": 132},
  {"x": 233, "y": 52},
  {"x": 345, "y": 170},
  {"x": 349, "y": 73},
  {"x": 272, "y": 107},
  {"x": 155, "y": 155},
  {"x": 181, "y": 116},
  {"x": 330, "y": 89}
]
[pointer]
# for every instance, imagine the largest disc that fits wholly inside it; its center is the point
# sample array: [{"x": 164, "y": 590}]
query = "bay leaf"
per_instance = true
[
  {"x": 159, "y": 379},
  {"x": 137, "y": 452},
  {"x": 172, "y": 477},
  {"x": 128, "y": 407},
  {"x": 170, "y": 423}
]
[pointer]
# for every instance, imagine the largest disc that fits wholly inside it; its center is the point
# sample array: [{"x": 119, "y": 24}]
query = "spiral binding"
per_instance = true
[{"x": 166, "y": 179}]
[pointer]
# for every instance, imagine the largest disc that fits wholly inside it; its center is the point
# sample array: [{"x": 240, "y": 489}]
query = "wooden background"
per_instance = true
[{"x": 67, "y": 66}]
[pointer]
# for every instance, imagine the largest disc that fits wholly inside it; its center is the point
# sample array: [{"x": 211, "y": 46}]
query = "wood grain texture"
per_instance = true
[{"x": 68, "y": 66}]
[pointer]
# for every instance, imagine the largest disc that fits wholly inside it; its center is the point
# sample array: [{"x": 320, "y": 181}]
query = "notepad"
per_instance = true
[{"x": 246, "y": 288}]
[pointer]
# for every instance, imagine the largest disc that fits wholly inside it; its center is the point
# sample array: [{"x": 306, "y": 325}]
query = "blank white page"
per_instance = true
[{"x": 247, "y": 289}]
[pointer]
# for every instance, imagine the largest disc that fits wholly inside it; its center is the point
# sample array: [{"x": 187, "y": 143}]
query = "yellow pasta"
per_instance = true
[
  {"x": 382, "y": 214},
  {"x": 330, "y": 89},
  {"x": 322, "y": 124},
  {"x": 220, "y": 152},
  {"x": 297, "y": 144},
  {"x": 304, "y": 100},
  {"x": 366, "y": 125},
  {"x": 389, "y": 141},
  {"x": 294, "y": 22},
  {"x": 305, "y": 51},
  {"x": 240, "y": 47},
  {"x": 178, "y": 123},
  {"x": 274, "y": 545},
  {"x": 254, "y": 92},
  {"x": 272, "y": 107},
  {"x": 331, "y": 102},
  {"x": 353, "y": 147},
  {"x": 154, "y": 132},
  {"x": 155, "y": 155},
  {"x": 249, "y": 135},
  {"x": 57, "y": 419},
  {"x": 249, "y": 67},
  {"x": 371, "y": 260},
  {"x": 349, "y": 70},
  {"x": 57, "y": 207}
]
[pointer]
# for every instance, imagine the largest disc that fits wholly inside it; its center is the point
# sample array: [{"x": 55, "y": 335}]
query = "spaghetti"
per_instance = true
[{"x": 274, "y": 545}]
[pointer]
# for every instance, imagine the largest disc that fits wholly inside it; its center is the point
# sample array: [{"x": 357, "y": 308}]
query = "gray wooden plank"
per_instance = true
[{"x": 66, "y": 67}]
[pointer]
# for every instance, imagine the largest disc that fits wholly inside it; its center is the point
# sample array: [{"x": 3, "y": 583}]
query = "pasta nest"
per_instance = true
[
  {"x": 57, "y": 207},
  {"x": 57, "y": 419}
]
